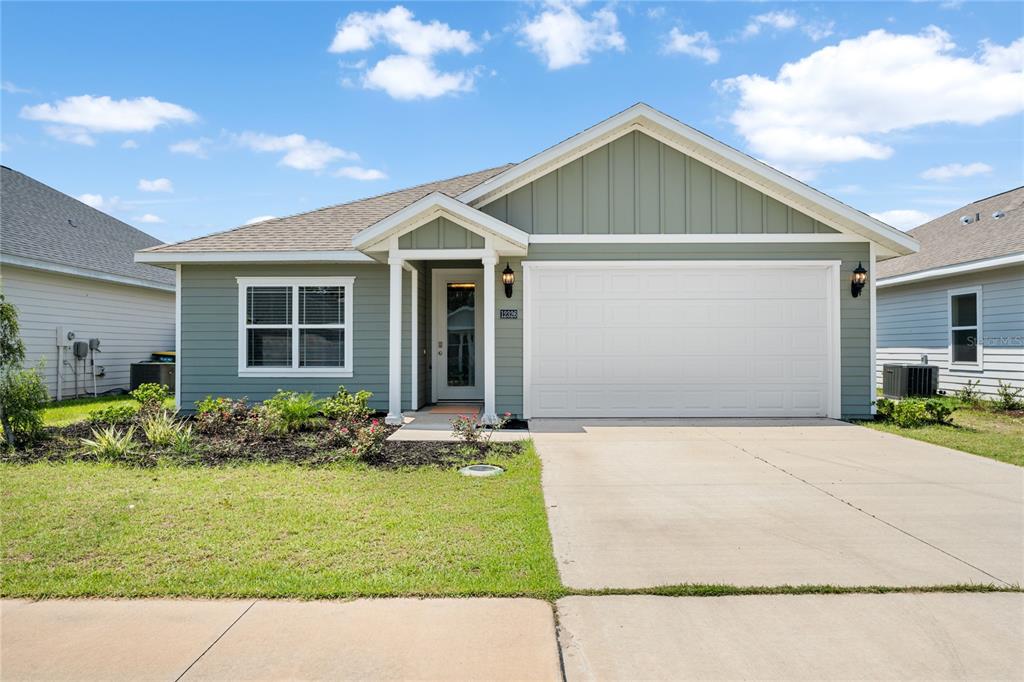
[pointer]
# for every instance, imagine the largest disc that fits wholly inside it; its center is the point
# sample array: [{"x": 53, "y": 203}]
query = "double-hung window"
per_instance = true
[
  {"x": 295, "y": 326},
  {"x": 965, "y": 346}
]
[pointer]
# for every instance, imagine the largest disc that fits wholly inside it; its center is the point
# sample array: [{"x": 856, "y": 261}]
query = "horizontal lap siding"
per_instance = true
[
  {"x": 209, "y": 332},
  {"x": 913, "y": 321},
  {"x": 855, "y": 354},
  {"x": 131, "y": 322}
]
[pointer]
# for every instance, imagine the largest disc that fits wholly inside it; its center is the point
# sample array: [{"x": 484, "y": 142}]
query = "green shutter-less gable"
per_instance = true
[
  {"x": 638, "y": 185},
  {"x": 440, "y": 233}
]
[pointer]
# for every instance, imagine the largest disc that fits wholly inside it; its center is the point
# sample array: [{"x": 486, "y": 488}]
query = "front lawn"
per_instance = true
[
  {"x": 273, "y": 530},
  {"x": 978, "y": 430},
  {"x": 77, "y": 409}
]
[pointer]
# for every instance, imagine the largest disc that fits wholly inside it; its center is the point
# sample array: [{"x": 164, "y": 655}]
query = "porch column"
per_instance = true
[
  {"x": 490, "y": 415},
  {"x": 395, "y": 343}
]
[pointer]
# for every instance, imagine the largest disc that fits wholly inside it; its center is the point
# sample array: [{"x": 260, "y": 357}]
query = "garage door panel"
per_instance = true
[{"x": 666, "y": 341}]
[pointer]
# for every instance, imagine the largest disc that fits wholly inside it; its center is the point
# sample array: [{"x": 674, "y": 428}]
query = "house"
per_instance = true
[
  {"x": 960, "y": 299},
  {"x": 639, "y": 268},
  {"x": 70, "y": 268}
]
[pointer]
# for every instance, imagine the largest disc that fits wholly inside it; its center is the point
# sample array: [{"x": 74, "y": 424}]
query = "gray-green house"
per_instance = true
[{"x": 639, "y": 268}]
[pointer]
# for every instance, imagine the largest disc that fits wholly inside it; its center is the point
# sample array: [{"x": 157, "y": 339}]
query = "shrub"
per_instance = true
[
  {"x": 969, "y": 393},
  {"x": 115, "y": 413},
  {"x": 911, "y": 412},
  {"x": 883, "y": 409},
  {"x": 938, "y": 412},
  {"x": 213, "y": 414},
  {"x": 22, "y": 398},
  {"x": 1009, "y": 397},
  {"x": 110, "y": 444},
  {"x": 368, "y": 443},
  {"x": 471, "y": 432},
  {"x": 351, "y": 410},
  {"x": 160, "y": 428},
  {"x": 290, "y": 411},
  {"x": 151, "y": 397}
]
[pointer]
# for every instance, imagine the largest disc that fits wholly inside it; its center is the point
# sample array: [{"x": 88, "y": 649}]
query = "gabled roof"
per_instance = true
[
  {"x": 708, "y": 150},
  {"x": 324, "y": 229},
  {"x": 46, "y": 229},
  {"x": 947, "y": 242}
]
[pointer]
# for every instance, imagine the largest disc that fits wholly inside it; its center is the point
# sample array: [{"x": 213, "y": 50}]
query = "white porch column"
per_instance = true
[
  {"x": 489, "y": 416},
  {"x": 395, "y": 344}
]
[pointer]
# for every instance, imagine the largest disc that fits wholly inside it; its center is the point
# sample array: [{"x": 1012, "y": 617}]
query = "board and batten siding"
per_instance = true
[
  {"x": 131, "y": 322},
  {"x": 639, "y": 185},
  {"x": 913, "y": 320},
  {"x": 855, "y": 313},
  {"x": 440, "y": 233}
]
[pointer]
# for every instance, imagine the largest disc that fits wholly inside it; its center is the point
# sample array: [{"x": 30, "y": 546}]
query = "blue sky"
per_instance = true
[{"x": 183, "y": 119}]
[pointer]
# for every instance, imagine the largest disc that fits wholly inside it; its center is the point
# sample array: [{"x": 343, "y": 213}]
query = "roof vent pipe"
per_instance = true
[{"x": 999, "y": 214}]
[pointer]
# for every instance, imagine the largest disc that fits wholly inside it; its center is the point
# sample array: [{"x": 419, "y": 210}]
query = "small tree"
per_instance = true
[{"x": 22, "y": 393}]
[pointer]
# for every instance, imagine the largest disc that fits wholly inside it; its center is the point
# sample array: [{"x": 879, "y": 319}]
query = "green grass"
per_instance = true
[
  {"x": 75, "y": 410},
  {"x": 85, "y": 529},
  {"x": 980, "y": 431}
]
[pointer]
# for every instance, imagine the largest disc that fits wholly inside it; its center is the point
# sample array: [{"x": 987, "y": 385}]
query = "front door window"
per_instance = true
[{"x": 460, "y": 300}]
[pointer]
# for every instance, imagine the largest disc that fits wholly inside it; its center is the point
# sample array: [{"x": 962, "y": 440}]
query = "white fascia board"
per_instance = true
[
  {"x": 950, "y": 270},
  {"x": 172, "y": 257},
  {"x": 432, "y": 206},
  {"x": 47, "y": 266},
  {"x": 735, "y": 238},
  {"x": 706, "y": 149}
]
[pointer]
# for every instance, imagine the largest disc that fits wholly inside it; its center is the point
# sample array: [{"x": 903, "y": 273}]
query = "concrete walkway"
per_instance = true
[
  {"x": 642, "y": 503},
  {"x": 860, "y": 636}
]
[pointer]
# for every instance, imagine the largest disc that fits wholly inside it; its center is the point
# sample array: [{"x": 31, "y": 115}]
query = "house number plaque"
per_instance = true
[{"x": 508, "y": 314}]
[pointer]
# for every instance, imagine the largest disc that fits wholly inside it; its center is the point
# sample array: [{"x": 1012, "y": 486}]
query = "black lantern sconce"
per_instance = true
[
  {"x": 508, "y": 278},
  {"x": 860, "y": 278}
]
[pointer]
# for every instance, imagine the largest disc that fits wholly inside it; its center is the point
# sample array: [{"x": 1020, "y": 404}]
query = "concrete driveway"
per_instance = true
[{"x": 641, "y": 503}]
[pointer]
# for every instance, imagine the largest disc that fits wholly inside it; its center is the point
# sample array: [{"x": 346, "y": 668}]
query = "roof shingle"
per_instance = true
[
  {"x": 324, "y": 229},
  {"x": 39, "y": 223},
  {"x": 945, "y": 241}
]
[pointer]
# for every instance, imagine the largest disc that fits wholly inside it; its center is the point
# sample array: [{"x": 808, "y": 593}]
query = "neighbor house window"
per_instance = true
[
  {"x": 965, "y": 345},
  {"x": 297, "y": 325}
]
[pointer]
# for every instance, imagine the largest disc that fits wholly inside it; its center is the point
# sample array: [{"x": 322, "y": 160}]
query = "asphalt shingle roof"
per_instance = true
[
  {"x": 42, "y": 224},
  {"x": 946, "y": 241},
  {"x": 325, "y": 229}
]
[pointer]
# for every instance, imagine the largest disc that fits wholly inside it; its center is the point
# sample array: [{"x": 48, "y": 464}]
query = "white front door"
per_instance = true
[
  {"x": 457, "y": 335},
  {"x": 692, "y": 339}
]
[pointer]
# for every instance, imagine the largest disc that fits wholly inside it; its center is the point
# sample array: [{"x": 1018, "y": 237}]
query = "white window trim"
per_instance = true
[
  {"x": 295, "y": 282},
  {"x": 960, "y": 365}
]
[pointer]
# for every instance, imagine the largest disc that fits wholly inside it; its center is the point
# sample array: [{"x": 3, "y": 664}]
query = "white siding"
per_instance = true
[
  {"x": 913, "y": 321},
  {"x": 131, "y": 322}
]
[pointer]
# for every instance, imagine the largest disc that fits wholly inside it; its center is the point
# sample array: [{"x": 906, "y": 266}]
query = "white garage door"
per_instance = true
[{"x": 694, "y": 339}]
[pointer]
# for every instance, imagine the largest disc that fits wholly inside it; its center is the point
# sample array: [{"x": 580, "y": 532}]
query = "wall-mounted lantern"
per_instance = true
[
  {"x": 860, "y": 278},
  {"x": 508, "y": 278}
]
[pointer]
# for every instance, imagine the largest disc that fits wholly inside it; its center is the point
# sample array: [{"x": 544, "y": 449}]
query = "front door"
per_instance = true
[{"x": 457, "y": 334}]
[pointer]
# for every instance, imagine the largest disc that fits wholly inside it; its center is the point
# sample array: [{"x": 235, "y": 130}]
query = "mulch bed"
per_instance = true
[{"x": 238, "y": 445}]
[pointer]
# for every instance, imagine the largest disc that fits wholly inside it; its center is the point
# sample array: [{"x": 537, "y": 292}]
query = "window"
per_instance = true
[
  {"x": 965, "y": 346},
  {"x": 295, "y": 326}
]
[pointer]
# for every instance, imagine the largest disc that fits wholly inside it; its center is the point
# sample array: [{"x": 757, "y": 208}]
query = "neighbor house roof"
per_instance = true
[
  {"x": 947, "y": 242},
  {"x": 46, "y": 229},
  {"x": 324, "y": 229}
]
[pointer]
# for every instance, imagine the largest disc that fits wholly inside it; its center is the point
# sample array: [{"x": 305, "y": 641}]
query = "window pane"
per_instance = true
[
  {"x": 461, "y": 306},
  {"x": 321, "y": 348},
  {"x": 270, "y": 347},
  {"x": 321, "y": 305},
  {"x": 965, "y": 310},
  {"x": 965, "y": 345},
  {"x": 269, "y": 305}
]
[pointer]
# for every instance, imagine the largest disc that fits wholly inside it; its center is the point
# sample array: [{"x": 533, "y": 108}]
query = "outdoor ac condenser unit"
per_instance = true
[{"x": 905, "y": 381}]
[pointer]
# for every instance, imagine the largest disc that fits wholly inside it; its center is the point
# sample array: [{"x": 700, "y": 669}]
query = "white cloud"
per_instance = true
[
  {"x": 12, "y": 89},
  {"x": 694, "y": 44},
  {"x": 94, "y": 200},
  {"x": 410, "y": 74},
  {"x": 406, "y": 77},
  {"x": 784, "y": 21},
  {"x": 149, "y": 218},
  {"x": 75, "y": 117},
  {"x": 956, "y": 170},
  {"x": 903, "y": 218},
  {"x": 300, "y": 152},
  {"x": 129, "y": 144},
  {"x": 656, "y": 13},
  {"x": 562, "y": 37},
  {"x": 360, "y": 173},
  {"x": 197, "y": 147},
  {"x": 157, "y": 185},
  {"x": 836, "y": 103},
  {"x": 259, "y": 219}
]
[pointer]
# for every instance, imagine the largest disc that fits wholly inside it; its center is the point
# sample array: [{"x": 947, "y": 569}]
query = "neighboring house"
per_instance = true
[
  {"x": 67, "y": 266},
  {"x": 960, "y": 299},
  {"x": 658, "y": 272}
]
